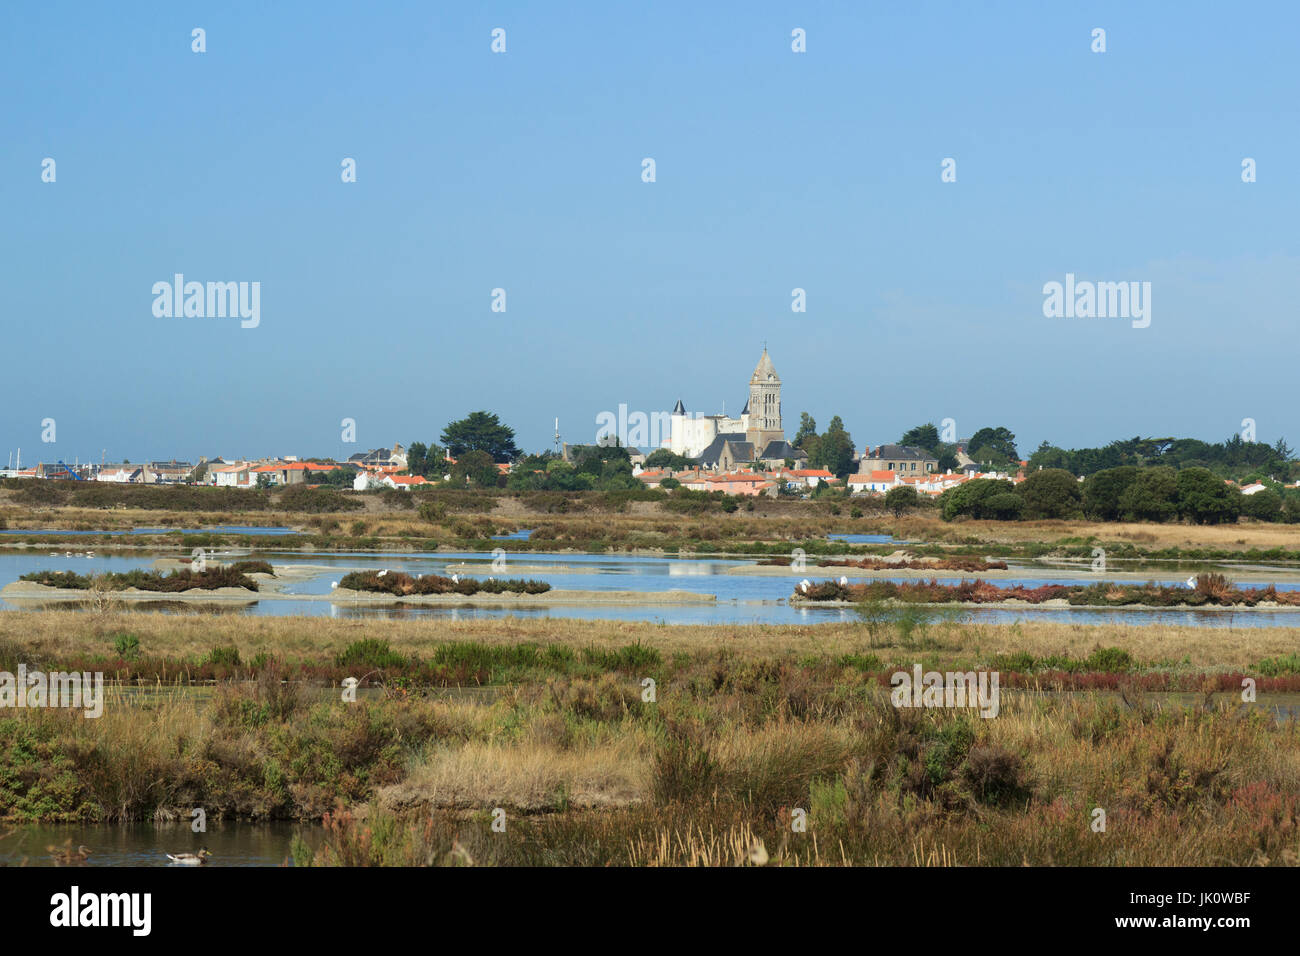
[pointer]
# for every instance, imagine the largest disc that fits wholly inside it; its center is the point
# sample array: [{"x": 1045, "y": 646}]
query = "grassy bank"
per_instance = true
[
  {"x": 721, "y": 784},
  {"x": 451, "y": 519},
  {"x": 244, "y": 717}
]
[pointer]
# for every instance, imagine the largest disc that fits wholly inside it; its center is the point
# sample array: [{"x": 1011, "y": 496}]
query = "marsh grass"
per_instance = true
[
  {"x": 710, "y": 773},
  {"x": 1194, "y": 788}
]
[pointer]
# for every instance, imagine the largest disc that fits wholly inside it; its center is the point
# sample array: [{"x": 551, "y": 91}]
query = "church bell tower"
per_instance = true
[{"x": 764, "y": 406}]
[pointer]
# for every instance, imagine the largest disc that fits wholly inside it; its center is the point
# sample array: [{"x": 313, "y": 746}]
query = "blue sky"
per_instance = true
[{"x": 522, "y": 170}]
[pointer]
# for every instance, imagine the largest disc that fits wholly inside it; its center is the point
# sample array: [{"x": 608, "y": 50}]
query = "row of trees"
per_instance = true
[
  {"x": 1235, "y": 458},
  {"x": 995, "y": 447},
  {"x": 594, "y": 468},
  {"x": 1146, "y": 471},
  {"x": 832, "y": 449},
  {"x": 1160, "y": 493}
]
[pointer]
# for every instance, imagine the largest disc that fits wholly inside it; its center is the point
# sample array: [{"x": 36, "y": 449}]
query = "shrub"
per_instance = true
[
  {"x": 316, "y": 500},
  {"x": 976, "y": 499},
  {"x": 1279, "y": 666},
  {"x": 684, "y": 765},
  {"x": 182, "y": 580},
  {"x": 1214, "y": 586},
  {"x": 58, "y": 579},
  {"x": 1051, "y": 493},
  {"x": 224, "y": 657},
  {"x": 400, "y": 584},
  {"x": 996, "y": 776},
  {"x": 1109, "y": 660},
  {"x": 371, "y": 654},
  {"x": 432, "y": 511},
  {"x": 633, "y": 658},
  {"x": 899, "y": 499},
  {"x": 127, "y": 646}
]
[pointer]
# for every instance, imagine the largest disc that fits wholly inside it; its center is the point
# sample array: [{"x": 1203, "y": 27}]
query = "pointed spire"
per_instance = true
[
  {"x": 679, "y": 408},
  {"x": 764, "y": 370}
]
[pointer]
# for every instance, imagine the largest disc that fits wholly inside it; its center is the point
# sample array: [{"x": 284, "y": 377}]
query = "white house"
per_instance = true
[
  {"x": 807, "y": 478},
  {"x": 873, "y": 482},
  {"x": 120, "y": 474},
  {"x": 234, "y": 476}
]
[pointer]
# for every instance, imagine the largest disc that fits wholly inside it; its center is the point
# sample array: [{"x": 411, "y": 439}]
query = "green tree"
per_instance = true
[
  {"x": 1153, "y": 495},
  {"x": 1291, "y": 505},
  {"x": 663, "y": 458},
  {"x": 923, "y": 436},
  {"x": 974, "y": 499},
  {"x": 1006, "y": 506},
  {"x": 1049, "y": 456},
  {"x": 834, "y": 450},
  {"x": 996, "y": 445},
  {"x": 807, "y": 430},
  {"x": 901, "y": 498},
  {"x": 478, "y": 467},
  {"x": 336, "y": 478},
  {"x": 1205, "y": 498},
  {"x": 415, "y": 455},
  {"x": 1263, "y": 505},
  {"x": 426, "y": 460},
  {"x": 480, "y": 431},
  {"x": 1102, "y": 492},
  {"x": 1051, "y": 493}
]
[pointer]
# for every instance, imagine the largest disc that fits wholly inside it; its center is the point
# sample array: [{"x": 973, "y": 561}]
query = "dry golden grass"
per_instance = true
[
  {"x": 1145, "y": 535},
  {"x": 527, "y": 775},
  {"x": 1201, "y": 786},
  {"x": 59, "y": 633}
]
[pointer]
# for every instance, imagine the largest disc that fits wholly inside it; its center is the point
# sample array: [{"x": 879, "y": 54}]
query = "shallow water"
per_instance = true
[
  {"x": 211, "y": 529},
  {"x": 147, "y": 844},
  {"x": 741, "y": 599}
]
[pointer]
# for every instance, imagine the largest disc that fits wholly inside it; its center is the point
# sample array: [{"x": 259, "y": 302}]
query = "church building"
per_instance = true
[{"x": 717, "y": 441}]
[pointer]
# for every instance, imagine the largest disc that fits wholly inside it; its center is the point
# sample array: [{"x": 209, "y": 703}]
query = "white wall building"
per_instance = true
[
  {"x": 234, "y": 476},
  {"x": 759, "y": 422},
  {"x": 120, "y": 474}
]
